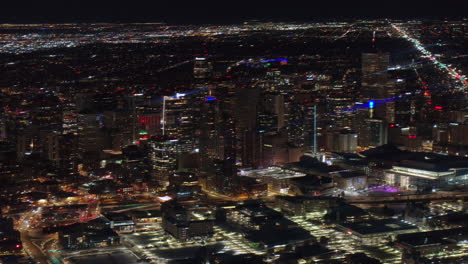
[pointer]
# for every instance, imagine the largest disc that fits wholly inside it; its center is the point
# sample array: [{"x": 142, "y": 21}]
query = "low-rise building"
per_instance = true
[
  {"x": 375, "y": 232},
  {"x": 187, "y": 221},
  {"x": 349, "y": 180},
  {"x": 257, "y": 217},
  {"x": 345, "y": 213},
  {"x": 430, "y": 171},
  {"x": 281, "y": 238},
  {"x": 84, "y": 236},
  {"x": 299, "y": 205},
  {"x": 120, "y": 222}
]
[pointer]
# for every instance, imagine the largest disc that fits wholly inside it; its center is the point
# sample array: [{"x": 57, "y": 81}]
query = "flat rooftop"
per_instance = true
[
  {"x": 103, "y": 257},
  {"x": 279, "y": 237},
  {"x": 272, "y": 172},
  {"x": 373, "y": 227},
  {"x": 433, "y": 238}
]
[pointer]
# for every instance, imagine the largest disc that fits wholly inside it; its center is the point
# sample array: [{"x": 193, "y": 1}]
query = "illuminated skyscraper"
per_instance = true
[
  {"x": 375, "y": 83},
  {"x": 375, "y": 134},
  {"x": 245, "y": 114},
  {"x": 163, "y": 154},
  {"x": 374, "y": 73},
  {"x": 202, "y": 68},
  {"x": 223, "y": 176},
  {"x": 178, "y": 119},
  {"x": 210, "y": 142}
]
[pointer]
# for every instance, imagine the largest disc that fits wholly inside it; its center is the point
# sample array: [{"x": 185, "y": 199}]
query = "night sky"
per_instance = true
[{"x": 222, "y": 11}]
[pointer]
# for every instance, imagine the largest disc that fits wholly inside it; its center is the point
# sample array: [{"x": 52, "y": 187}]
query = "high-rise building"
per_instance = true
[
  {"x": 202, "y": 68},
  {"x": 211, "y": 144},
  {"x": 375, "y": 83},
  {"x": 342, "y": 141},
  {"x": 179, "y": 120},
  {"x": 92, "y": 136},
  {"x": 375, "y": 133},
  {"x": 300, "y": 122},
  {"x": 245, "y": 114},
  {"x": 163, "y": 154},
  {"x": 271, "y": 113},
  {"x": 223, "y": 175},
  {"x": 3, "y": 127},
  {"x": 374, "y": 73}
]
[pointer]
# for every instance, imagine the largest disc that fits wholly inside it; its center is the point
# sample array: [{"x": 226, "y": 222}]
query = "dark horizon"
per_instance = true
[{"x": 211, "y": 13}]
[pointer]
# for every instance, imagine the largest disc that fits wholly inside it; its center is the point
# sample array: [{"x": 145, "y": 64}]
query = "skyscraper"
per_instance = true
[
  {"x": 202, "y": 68},
  {"x": 163, "y": 155},
  {"x": 374, "y": 73},
  {"x": 210, "y": 141}
]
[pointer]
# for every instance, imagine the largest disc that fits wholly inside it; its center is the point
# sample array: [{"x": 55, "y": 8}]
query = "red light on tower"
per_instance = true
[
  {"x": 438, "y": 107},
  {"x": 18, "y": 246}
]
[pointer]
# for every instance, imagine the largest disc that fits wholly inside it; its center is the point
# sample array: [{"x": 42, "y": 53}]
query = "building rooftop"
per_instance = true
[
  {"x": 272, "y": 172},
  {"x": 378, "y": 226},
  {"x": 279, "y": 237},
  {"x": 433, "y": 238}
]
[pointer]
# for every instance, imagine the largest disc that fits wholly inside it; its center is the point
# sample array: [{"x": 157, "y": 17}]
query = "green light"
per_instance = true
[{"x": 143, "y": 132}]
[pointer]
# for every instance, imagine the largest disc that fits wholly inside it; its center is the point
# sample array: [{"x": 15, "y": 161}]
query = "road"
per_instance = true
[
  {"x": 452, "y": 72},
  {"x": 32, "y": 248}
]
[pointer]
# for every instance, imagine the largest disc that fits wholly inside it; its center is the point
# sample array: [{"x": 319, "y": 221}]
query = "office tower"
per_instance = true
[
  {"x": 274, "y": 150},
  {"x": 343, "y": 140},
  {"x": 179, "y": 120},
  {"x": 3, "y": 127},
  {"x": 223, "y": 176},
  {"x": 135, "y": 165},
  {"x": 374, "y": 134},
  {"x": 163, "y": 154},
  {"x": 202, "y": 68},
  {"x": 120, "y": 129},
  {"x": 60, "y": 149},
  {"x": 92, "y": 136},
  {"x": 8, "y": 164},
  {"x": 149, "y": 122},
  {"x": 271, "y": 113},
  {"x": 458, "y": 134},
  {"x": 211, "y": 144},
  {"x": 300, "y": 122},
  {"x": 245, "y": 114},
  {"x": 339, "y": 99},
  {"x": 375, "y": 84},
  {"x": 374, "y": 74},
  {"x": 26, "y": 142},
  {"x": 70, "y": 122}
]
